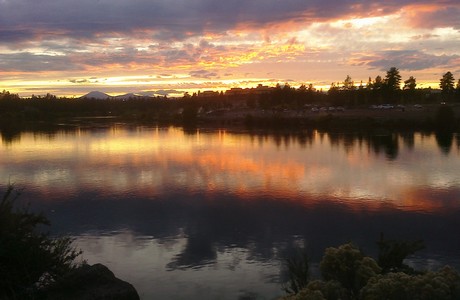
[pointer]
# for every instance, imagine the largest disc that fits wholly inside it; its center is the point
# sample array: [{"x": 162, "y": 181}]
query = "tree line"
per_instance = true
[{"x": 389, "y": 89}]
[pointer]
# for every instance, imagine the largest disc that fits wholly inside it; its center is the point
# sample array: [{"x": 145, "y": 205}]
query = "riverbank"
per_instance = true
[{"x": 413, "y": 117}]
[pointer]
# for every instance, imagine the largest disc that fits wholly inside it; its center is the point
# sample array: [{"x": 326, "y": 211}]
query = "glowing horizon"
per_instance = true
[
  {"x": 119, "y": 86},
  {"x": 174, "y": 47}
]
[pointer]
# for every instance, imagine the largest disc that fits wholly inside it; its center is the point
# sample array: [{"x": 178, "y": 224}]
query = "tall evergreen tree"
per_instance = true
[
  {"x": 410, "y": 84},
  {"x": 393, "y": 79},
  {"x": 378, "y": 83},
  {"x": 409, "y": 91},
  {"x": 348, "y": 84},
  {"x": 447, "y": 83}
]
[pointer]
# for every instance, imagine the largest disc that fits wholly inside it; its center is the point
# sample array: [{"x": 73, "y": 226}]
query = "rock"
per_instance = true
[{"x": 94, "y": 282}]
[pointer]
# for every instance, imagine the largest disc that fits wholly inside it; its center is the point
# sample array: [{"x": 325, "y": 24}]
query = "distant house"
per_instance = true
[
  {"x": 235, "y": 92},
  {"x": 259, "y": 90},
  {"x": 208, "y": 94}
]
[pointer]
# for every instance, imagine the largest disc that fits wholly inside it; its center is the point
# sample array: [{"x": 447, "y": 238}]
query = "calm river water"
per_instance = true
[{"x": 212, "y": 214}]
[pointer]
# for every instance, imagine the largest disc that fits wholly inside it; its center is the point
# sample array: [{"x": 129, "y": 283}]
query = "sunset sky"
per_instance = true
[{"x": 69, "y": 48}]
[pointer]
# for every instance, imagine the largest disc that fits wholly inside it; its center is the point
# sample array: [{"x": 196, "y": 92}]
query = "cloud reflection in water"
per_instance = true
[{"x": 171, "y": 210}]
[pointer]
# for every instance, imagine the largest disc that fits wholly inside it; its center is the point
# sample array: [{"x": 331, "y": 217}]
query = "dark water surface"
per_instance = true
[{"x": 211, "y": 215}]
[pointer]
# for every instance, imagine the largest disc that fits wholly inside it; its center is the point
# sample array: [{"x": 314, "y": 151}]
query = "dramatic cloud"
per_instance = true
[
  {"x": 435, "y": 15},
  {"x": 181, "y": 19},
  {"x": 30, "y": 62},
  {"x": 411, "y": 60},
  {"x": 195, "y": 40}
]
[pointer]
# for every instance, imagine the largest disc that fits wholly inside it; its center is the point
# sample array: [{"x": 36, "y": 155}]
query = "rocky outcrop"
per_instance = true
[{"x": 94, "y": 282}]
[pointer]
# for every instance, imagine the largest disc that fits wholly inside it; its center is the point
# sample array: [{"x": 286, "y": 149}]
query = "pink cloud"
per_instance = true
[{"x": 433, "y": 15}]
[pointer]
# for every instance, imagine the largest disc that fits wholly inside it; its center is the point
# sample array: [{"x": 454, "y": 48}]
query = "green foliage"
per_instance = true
[
  {"x": 388, "y": 286},
  {"x": 392, "y": 253},
  {"x": 348, "y": 265},
  {"x": 298, "y": 271},
  {"x": 348, "y": 274},
  {"x": 29, "y": 258},
  {"x": 442, "y": 285},
  {"x": 321, "y": 290}
]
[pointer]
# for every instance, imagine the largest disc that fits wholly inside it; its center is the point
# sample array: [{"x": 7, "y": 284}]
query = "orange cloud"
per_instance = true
[{"x": 432, "y": 15}]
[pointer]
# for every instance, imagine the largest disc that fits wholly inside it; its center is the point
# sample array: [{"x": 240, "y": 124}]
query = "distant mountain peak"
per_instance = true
[
  {"x": 96, "y": 95},
  {"x": 103, "y": 96},
  {"x": 127, "y": 96}
]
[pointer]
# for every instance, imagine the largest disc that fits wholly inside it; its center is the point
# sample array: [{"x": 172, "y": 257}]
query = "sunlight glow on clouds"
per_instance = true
[{"x": 57, "y": 46}]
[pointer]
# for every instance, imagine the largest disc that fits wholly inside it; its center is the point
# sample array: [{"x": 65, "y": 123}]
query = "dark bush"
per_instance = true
[
  {"x": 392, "y": 254},
  {"x": 29, "y": 257}
]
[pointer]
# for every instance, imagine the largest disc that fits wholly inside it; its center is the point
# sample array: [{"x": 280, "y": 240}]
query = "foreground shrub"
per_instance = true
[
  {"x": 348, "y": 275},
  {"x": 298, "y": 272},
  {"x": 29, "y": 257},
  {"x": 441, "y": 285},
  {"x": 392, "y": 254},
  {"x": 322, "y": 290},
  {"x": 348, "y": 265}
]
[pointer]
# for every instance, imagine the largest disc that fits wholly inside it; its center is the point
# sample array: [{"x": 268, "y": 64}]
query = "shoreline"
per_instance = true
[{"x": 355, "y": 119}]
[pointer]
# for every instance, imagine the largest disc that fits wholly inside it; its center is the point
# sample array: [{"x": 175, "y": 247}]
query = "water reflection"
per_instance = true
[
  {"x": 10, "y": 136},
  {"x": 378, "y": 142},
  {"x": 218, "y": 234},
  {"x": 445, "y": 141},
  {"x": 219, "y": 210}
]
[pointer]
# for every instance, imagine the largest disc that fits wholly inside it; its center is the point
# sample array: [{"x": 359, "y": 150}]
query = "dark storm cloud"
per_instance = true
[
  {"x": 12, "y": 34},
  {"x": 28, "y": 62},
  {"x": 67, "y": 61},
  {"x": 22, "y": 20},
  {"x": 411, "y": 60}
]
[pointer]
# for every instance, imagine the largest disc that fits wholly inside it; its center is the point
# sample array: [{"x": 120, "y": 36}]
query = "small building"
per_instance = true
[{"x": 208, "y": 94}]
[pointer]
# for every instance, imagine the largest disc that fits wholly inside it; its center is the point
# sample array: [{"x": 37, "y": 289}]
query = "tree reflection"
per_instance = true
[
  {"x": 408, "y": 139},
  {"x": 445, "y": 141},
  {"x": 241, "y": 196},
  {"x": 266, "y": 228},
  {"x": 198, "y": 252},
  {"x": 305, "y": 138},
  {"x": 10, "y": 136},
  {"x": 378, "y": 143},
  {"x": 386, "y": 143}
]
